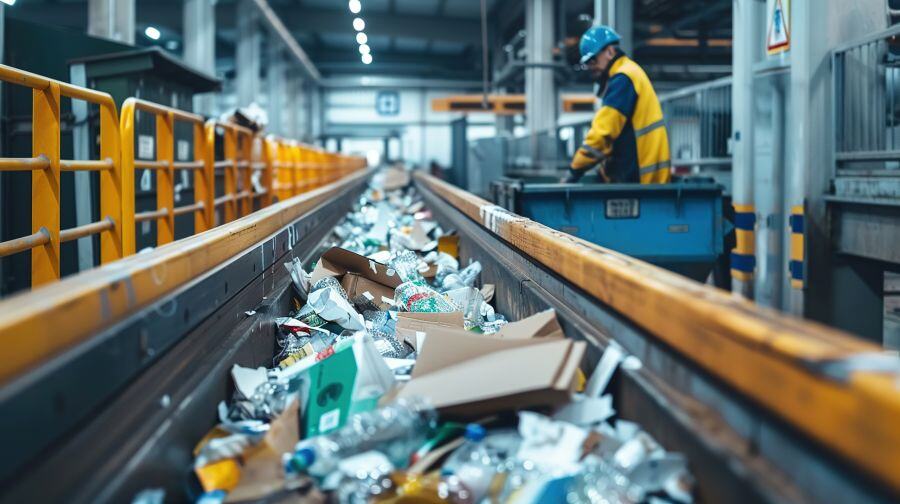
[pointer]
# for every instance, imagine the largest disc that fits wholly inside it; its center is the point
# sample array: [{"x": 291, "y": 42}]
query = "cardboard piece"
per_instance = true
[
  {"x": 357, "y": 274},
  {"x": 390, "y": 179},
  {"x": 262, "y": 472},
  {"x": 330, "y": 397},
  {"x": 409, "y": 323},
  {"x": 467, "y": 375},
  {"x": 540, "y": 325}
]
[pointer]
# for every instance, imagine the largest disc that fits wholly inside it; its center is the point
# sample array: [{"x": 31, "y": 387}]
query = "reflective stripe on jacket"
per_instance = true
[{"x": 628, "y": 129}]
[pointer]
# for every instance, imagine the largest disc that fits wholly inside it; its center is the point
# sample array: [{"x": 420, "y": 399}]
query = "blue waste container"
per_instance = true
[{"x": 677, "y": 226}]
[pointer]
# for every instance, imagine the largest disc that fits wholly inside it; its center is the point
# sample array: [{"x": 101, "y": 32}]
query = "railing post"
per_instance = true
[
  {"x": 268, "y": 179},
  {"x": 45, "y": 184},
  {"x": 245, "y": 147},
  {"x": 112, "y": 244},
  {"x": 231, "y": 174},
  {"x": 203, "y": 187},
  {"x": 126, "y": 130},
  {"x": 296, "y": 169},
  {"x": 165, "y": 177},
  {"x": 209, "y": 170}
]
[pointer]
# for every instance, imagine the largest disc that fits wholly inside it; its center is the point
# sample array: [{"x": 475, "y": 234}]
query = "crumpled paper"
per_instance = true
[{"x": 330, "y": 305}]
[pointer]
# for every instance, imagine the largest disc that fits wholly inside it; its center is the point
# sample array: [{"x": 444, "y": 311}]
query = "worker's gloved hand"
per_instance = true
[{"x": 572, "y": 177}]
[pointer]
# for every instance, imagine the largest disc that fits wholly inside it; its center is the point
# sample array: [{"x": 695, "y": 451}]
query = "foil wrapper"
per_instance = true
[{"x": 418, "y": 297}]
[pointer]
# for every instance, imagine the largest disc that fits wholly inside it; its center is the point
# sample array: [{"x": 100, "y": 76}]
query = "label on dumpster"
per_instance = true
[{"x": 623, "y": 208}]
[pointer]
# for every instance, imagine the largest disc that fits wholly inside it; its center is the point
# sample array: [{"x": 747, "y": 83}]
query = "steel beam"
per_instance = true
[
  {"x": 275, "y": 23},
  {"x": 112, "y": 19},
  {"x": 540, "y": 87},
  {"x": 199, "y": 36},
  {"x": 276, "y": 92},
  {"x": 619, "y": 14},
  {"x": 747, "y": 51},
  {"x": 248, "y": 53}
]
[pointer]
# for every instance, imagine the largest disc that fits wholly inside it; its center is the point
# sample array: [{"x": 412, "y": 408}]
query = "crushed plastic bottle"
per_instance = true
[
  {"x": 395, "y": 430},
  {"x": 470, "y": 469},
  {"x": 602, "y": 483},
  {"x": 270, "y": 398}
]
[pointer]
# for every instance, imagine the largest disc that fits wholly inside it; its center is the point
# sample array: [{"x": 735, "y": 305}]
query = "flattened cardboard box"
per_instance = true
[
  {"x": 409, "y": 323},
  {"x": 540, "y": 325},
  {"x": 357, "y": 274},
  {"x": 467, "y": 375}
]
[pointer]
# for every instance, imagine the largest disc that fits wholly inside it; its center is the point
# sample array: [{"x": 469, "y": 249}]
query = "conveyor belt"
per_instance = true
[{"x": 757, "y": 401}]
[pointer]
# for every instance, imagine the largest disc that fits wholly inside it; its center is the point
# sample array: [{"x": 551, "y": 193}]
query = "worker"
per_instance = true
[{"x": 628, "y": 138}]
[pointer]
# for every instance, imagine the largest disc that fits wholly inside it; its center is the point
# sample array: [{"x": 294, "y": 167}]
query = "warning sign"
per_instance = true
[{"x": 778, "y": 36}]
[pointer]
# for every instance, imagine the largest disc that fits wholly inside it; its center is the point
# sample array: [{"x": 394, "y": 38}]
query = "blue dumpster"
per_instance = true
[{"x": 676, "y": 226}]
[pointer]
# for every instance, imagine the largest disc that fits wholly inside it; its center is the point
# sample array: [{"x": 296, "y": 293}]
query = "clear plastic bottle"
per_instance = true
[
  {"x": 395, "y": 430},
  {"x": 468, "y": 472},
  {"x": 602, "y": 483}
]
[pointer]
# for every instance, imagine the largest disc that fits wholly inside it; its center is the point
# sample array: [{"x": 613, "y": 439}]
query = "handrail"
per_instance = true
[
  {"x": 810, "y": 375},
  {"x": 45, "y": 166},
  {"x": 117, "y": 165},
  {"x": 165, "y": 166}
]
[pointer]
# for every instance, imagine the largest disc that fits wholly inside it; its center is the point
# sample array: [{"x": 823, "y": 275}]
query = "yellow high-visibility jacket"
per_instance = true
[{"x": 628, "y": 130}]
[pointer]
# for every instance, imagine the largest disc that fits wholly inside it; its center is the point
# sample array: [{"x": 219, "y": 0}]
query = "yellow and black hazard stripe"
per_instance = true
[
  {"x": 743, "y": 256},
  {"x": 798, "y": 247}
]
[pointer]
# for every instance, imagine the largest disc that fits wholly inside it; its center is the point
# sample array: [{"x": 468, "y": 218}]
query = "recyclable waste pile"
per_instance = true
[{"x": 397, "y": 381}]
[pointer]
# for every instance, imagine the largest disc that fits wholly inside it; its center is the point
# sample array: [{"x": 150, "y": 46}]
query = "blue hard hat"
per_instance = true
[{"x": 596, "y": 39}]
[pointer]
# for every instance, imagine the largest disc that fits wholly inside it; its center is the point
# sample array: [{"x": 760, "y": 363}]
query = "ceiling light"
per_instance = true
[
  {"x": 361, "y": 38},
  {"x": 9, "y": 2},
  {"x": 152, "y": 33},
  {"x": 364, "y": 49},
  {"x": 359, "y": 24},
  {"x": 355, "y": 6},
  {"x": 366, "y": 58}
]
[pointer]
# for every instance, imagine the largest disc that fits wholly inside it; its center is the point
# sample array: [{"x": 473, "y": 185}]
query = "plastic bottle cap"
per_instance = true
[
  {"x": 474, "y": 432},
  {"x": 303, "y": 459}
]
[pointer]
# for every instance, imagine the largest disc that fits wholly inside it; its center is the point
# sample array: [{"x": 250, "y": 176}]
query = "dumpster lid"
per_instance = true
[
  {"x": 152, "y": 59},
  {"x": 682, "y": 187}
]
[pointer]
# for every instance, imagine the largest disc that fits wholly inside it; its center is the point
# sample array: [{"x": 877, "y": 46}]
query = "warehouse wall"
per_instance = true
[{"x": 425, "y": 134}]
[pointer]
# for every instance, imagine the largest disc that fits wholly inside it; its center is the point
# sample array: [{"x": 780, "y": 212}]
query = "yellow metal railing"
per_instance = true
[
  {"x": 165, "y": 166},
  {"x": 287, "y": 168},
  {"x": 45, "y": 166}
]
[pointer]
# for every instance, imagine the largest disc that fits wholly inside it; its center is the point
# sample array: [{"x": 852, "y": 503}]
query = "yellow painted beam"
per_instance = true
[
  {"x": 766, "y": 355},
  {"x": 40, "y": 324}
]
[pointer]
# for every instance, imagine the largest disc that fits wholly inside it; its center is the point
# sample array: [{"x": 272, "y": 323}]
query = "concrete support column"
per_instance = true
[
  {"x": 540, "y": 89},
  {"x": 297, "y": 104},
  {"x": 112, "y": 19},
  {"x": 619, "y": 14},
  {"x": 276, "y": 80},
  {"x": 248, "y": 53},
  {"x": 747, "y": 49},
  {"x": 200, "y": 45},
  {"x": 316, "y": 123}
]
